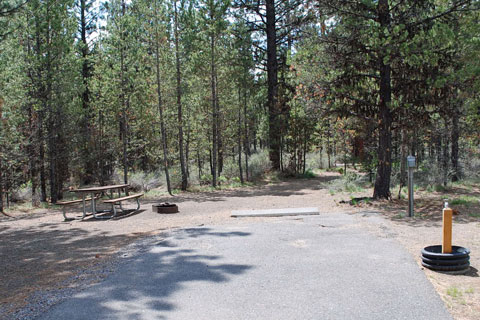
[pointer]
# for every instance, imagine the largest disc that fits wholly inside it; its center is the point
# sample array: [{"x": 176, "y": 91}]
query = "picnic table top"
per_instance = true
[{"x": 101, "y": 188}]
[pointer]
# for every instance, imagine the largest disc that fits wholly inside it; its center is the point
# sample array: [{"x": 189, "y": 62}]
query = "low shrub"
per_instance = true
[
  {"x": 317, "y": 160},
  {"x": 465, "y": 200},
  {"x": 259, "y": 164},
  {"x": 23, "y": 193},
  {"x": 351, "y": 182},
  {"x": 307, "y": 175},
  {"x": 143, "y": 181},
  {"x": 206, "y": 179}
]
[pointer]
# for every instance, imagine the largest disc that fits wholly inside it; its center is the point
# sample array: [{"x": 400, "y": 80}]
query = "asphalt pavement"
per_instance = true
[{"x": 315, "y": 267}]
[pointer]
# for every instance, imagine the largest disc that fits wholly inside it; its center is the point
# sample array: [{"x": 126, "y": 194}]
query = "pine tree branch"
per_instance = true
[{"x": 12, "y": 10}]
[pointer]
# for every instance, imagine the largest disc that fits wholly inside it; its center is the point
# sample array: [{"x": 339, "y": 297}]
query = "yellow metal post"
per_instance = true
[{"x": 447, "y": 230}]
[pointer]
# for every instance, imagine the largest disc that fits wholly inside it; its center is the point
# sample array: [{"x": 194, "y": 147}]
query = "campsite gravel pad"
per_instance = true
[
  {"x": 275, "y": 212},
  {"x": 317, "y": 267}
]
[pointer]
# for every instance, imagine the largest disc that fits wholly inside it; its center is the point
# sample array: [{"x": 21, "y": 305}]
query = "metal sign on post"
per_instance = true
[{"x": 411, "y": 165}]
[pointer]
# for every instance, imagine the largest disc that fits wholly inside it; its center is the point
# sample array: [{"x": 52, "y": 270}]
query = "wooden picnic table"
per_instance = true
[{"x": 94, "y": 191}]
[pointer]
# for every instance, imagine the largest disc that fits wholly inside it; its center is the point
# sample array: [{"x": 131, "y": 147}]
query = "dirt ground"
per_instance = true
[
  {"x": 461, "y": 293},
  {"x": 40, "y": 251}
]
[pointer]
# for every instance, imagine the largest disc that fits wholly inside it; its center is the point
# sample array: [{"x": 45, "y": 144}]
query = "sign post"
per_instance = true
[{"x": 411, "y": 165}]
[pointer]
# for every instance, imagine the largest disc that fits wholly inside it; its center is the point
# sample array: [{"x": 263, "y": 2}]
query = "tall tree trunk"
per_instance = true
[
  {"x": 124, "y": 100},
  {"x": 214, "y": 106},
  {"x": 329, "y": 148},
  {"x": 239, "y": 135},
  {"x": 187, "y": 150},
  {"x": 334, "y": 152},
  {"x": 179, "y": 103},
  {"x": 304, "y": 150},
  {"x": 61, "y": 161},
  {"x": 41, "y": 159},
  {"x": 36, "y": 122},
  {"x": 199, "y": 164},
  {"x": 455, "y": 134},
  {"x": 52, "y": 155},
  {"x": 274, "y": 132},
  {"x": 51, "y": 114},
  {"x": 88, "y": 162},
  {"x": 160, "y": 104},
  {"x": 210, "y": 161},
  {"x": 220, "y": 146},
  {"x": 438, "y": 146},
  {"x": 1, "y": 189},
  {"x": 40, "y": 137},
  {"x": 430, "y": 146},
  {"x": 321, "y": 156},
  {"x": 403, "y": 161},
  {"x": 445, "y": 153},
  {"x": 32, "y": 155},
  {"x": 246, "y": 147},
  {"x": 344, "y": 136},
  {"x": 282, "y": 167},
  {"x": 384, "y": 169},
  {"x": 2, "y": 171},
  {"x": 101, "y": 160}
]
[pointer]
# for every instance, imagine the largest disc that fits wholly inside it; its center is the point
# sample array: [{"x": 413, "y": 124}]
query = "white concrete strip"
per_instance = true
[{"x": 275, "y": 212}]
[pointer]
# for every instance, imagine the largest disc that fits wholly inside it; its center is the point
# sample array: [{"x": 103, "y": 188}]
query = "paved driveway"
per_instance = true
[{"x": 321, "y": 267}]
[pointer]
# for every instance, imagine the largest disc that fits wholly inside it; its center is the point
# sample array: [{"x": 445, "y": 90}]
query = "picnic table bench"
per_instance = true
[
  {"x": 95, "y": 194},
  {"x": 118, "y": 201},
  {"x": 64, "y": 204}
]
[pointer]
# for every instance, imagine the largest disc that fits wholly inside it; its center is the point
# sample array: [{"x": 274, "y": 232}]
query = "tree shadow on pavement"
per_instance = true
[
  {"x": 43, "y": 255},
  {"x": 144, "y": 284}
]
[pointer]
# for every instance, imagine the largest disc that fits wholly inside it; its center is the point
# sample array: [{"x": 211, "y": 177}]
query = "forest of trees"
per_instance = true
[{"x": 90, "y": 88}]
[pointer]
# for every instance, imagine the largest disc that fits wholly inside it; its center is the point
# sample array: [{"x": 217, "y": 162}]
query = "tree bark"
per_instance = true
[
  {"x": 88, "y": 162},
  {"x": 124, "y": 101},
  {"x": 52, "y": 155},
  {"x": 274, "y": 132},
  {"x": 187, "y": 150},
  {"x": 403, "y": 161},
  {"x": 384, "y": 169},
  {"x": 455, "y": 134},
  {"x": 32, "y": 154},
  {"x": 1, "y": 168},
  {"x": 210, "y": 161},
  {"x": 160, "y": 104},
  {"x": 445, "y": 153},
  {"x": 239, "y": 135},
  {"x": 246, "y": 147},
  {"x": 329, "y": 148},
  {"x": 2, "y": 171},
  {"x": 179, "y": 102},
  {"x": 41, "y": 159},
  {"x": 438, "y": 146},
  {"x": 214, "y": 105},
  {"x": 51, "y": 114},
  {"x": 304, "y": 150},
  {"x": 102, "y": 161},
  {"x": 199, "y": 164},
  {"x": 39, "y": 128},
  {"x": 320, "y": 158},
  {"x": 220, "y": 146}
]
